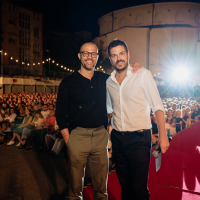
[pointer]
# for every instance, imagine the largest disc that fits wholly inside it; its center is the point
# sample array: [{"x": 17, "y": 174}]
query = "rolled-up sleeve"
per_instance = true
[
  {"x": 62, "y": 105},
  {"x": 151, "y": 92}
]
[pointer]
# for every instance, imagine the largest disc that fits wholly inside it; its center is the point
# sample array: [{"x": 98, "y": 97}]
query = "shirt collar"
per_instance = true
[
  {"x": 128, "y": 72},
  {"x": 78, "y": 75}
]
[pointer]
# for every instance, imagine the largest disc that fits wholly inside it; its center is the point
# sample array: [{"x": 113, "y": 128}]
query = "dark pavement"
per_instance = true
[{"x": 32, "y": 175}]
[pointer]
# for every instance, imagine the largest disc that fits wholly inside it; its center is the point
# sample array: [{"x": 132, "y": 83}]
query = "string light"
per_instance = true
[{"x": 48, "y": 59}]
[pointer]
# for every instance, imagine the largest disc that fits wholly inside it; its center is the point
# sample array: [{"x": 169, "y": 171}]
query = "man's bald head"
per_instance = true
[{"x": 86, "y": 44}]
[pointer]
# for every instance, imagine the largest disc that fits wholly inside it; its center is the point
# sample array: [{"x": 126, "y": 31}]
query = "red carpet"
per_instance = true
[{"x": 179, "y": 176}]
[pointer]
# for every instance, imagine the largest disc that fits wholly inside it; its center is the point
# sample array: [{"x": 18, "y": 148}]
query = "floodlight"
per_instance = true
[{"x": 181, "y": 74}]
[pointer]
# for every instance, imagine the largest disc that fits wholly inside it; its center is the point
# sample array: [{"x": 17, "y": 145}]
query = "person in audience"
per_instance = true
[
  {"x": 51, "y": 107},
  {"x": 197, "y": 110},
  {"x": 33, "y": 125},
  {"x": 171, "y": 122},
  {"x": 3, "y": 131},
  {"x": 19, "y": 119},
  {"x": 6, "y": 108},
  {"x": 174, "y": 107},
  {"x": 35, "y": 109},
  {"x": 194, "y": 114},
  {"x": 178, "y": 121},
  {"x": 45, "y": 111},
  {"x": 2, "y": 114},
  {"x": 183, "y": 118},
  {"x": 196, "y": 119},
  {"x": 11, "y": 116},
  {"x": 47, "y": 124},
  {"x": 17, "y": 132},
  {"x": 189, "y": 120},
  {"x": 188, "y": 111},
  {"x": 51, "y": 136}
]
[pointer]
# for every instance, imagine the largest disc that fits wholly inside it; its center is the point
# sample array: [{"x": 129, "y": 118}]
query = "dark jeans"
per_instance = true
[{"x": 131, "y": 154}]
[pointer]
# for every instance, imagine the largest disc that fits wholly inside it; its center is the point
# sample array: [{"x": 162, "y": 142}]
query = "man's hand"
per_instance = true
[
  {"x": 154, "y": 139},
  {"x": 163, "y": 142},
  {"x": 65, "y": 134},
  {"x": 136, "y": 67}
]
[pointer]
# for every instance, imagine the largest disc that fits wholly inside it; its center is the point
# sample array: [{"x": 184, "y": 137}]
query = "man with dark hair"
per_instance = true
[
  {"x": 82, "y": 118},
  {"x": 116, "y": 43},
  {"x": 129, "y": 97}
]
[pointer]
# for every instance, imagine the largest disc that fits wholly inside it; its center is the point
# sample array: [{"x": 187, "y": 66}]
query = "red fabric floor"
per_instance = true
[{"x": 179, "y": 175}]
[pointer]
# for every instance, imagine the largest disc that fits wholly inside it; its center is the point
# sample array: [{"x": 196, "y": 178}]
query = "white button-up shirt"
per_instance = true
[{"x": 131, "y": 101}]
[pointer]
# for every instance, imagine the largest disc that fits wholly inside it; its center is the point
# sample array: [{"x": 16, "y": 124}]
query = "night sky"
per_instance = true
[{"x": 76, "y": 15}]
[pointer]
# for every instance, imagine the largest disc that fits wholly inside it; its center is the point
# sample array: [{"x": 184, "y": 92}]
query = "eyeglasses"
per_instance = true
[{"x": 86, "y": 54}]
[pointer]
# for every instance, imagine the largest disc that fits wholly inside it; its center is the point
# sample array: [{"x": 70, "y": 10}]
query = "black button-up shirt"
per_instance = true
[{"x": 82, "y": 102}]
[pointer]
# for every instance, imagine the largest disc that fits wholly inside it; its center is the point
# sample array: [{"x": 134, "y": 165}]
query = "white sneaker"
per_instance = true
[
  {"x": 18, "y": 144},
  {"x": 11, "y": 142}
]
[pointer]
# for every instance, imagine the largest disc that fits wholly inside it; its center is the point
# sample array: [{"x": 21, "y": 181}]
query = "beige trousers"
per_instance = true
[{"x": 88, "y": 144}]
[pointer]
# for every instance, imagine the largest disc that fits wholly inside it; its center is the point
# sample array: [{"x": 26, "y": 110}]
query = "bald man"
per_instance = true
[{"x": 82, "y": 118}]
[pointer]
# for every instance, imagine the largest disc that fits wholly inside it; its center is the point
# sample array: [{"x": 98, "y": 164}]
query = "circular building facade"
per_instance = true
[{"x": 160, "y": 36}]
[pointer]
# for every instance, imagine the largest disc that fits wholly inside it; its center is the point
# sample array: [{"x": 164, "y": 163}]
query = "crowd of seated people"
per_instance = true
[
  {"x": 180, "y": 113},
  {"x": 30, "y": 118}
]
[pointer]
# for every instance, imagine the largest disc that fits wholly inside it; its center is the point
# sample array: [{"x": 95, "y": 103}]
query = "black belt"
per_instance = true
[{"x": 140, "y": 132}]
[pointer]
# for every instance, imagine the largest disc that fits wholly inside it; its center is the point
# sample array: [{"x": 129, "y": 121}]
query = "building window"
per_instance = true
[
  {"x": 36, "y": 48},
  {"x": 11, "y": 40},
  {"x": 36, "y": 32},
  {"x": 14, "y": 9},
  {"x": 24, "y": 55},
  {"x": 24, "y": 38},
  {"x": 24, "y": 21},
  {"x": 13, "y": 22}
]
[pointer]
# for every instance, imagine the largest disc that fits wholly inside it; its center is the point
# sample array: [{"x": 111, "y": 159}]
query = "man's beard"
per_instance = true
[
  {"x": 121, "y": 69},
  {"x": 87, "y": 68}
]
